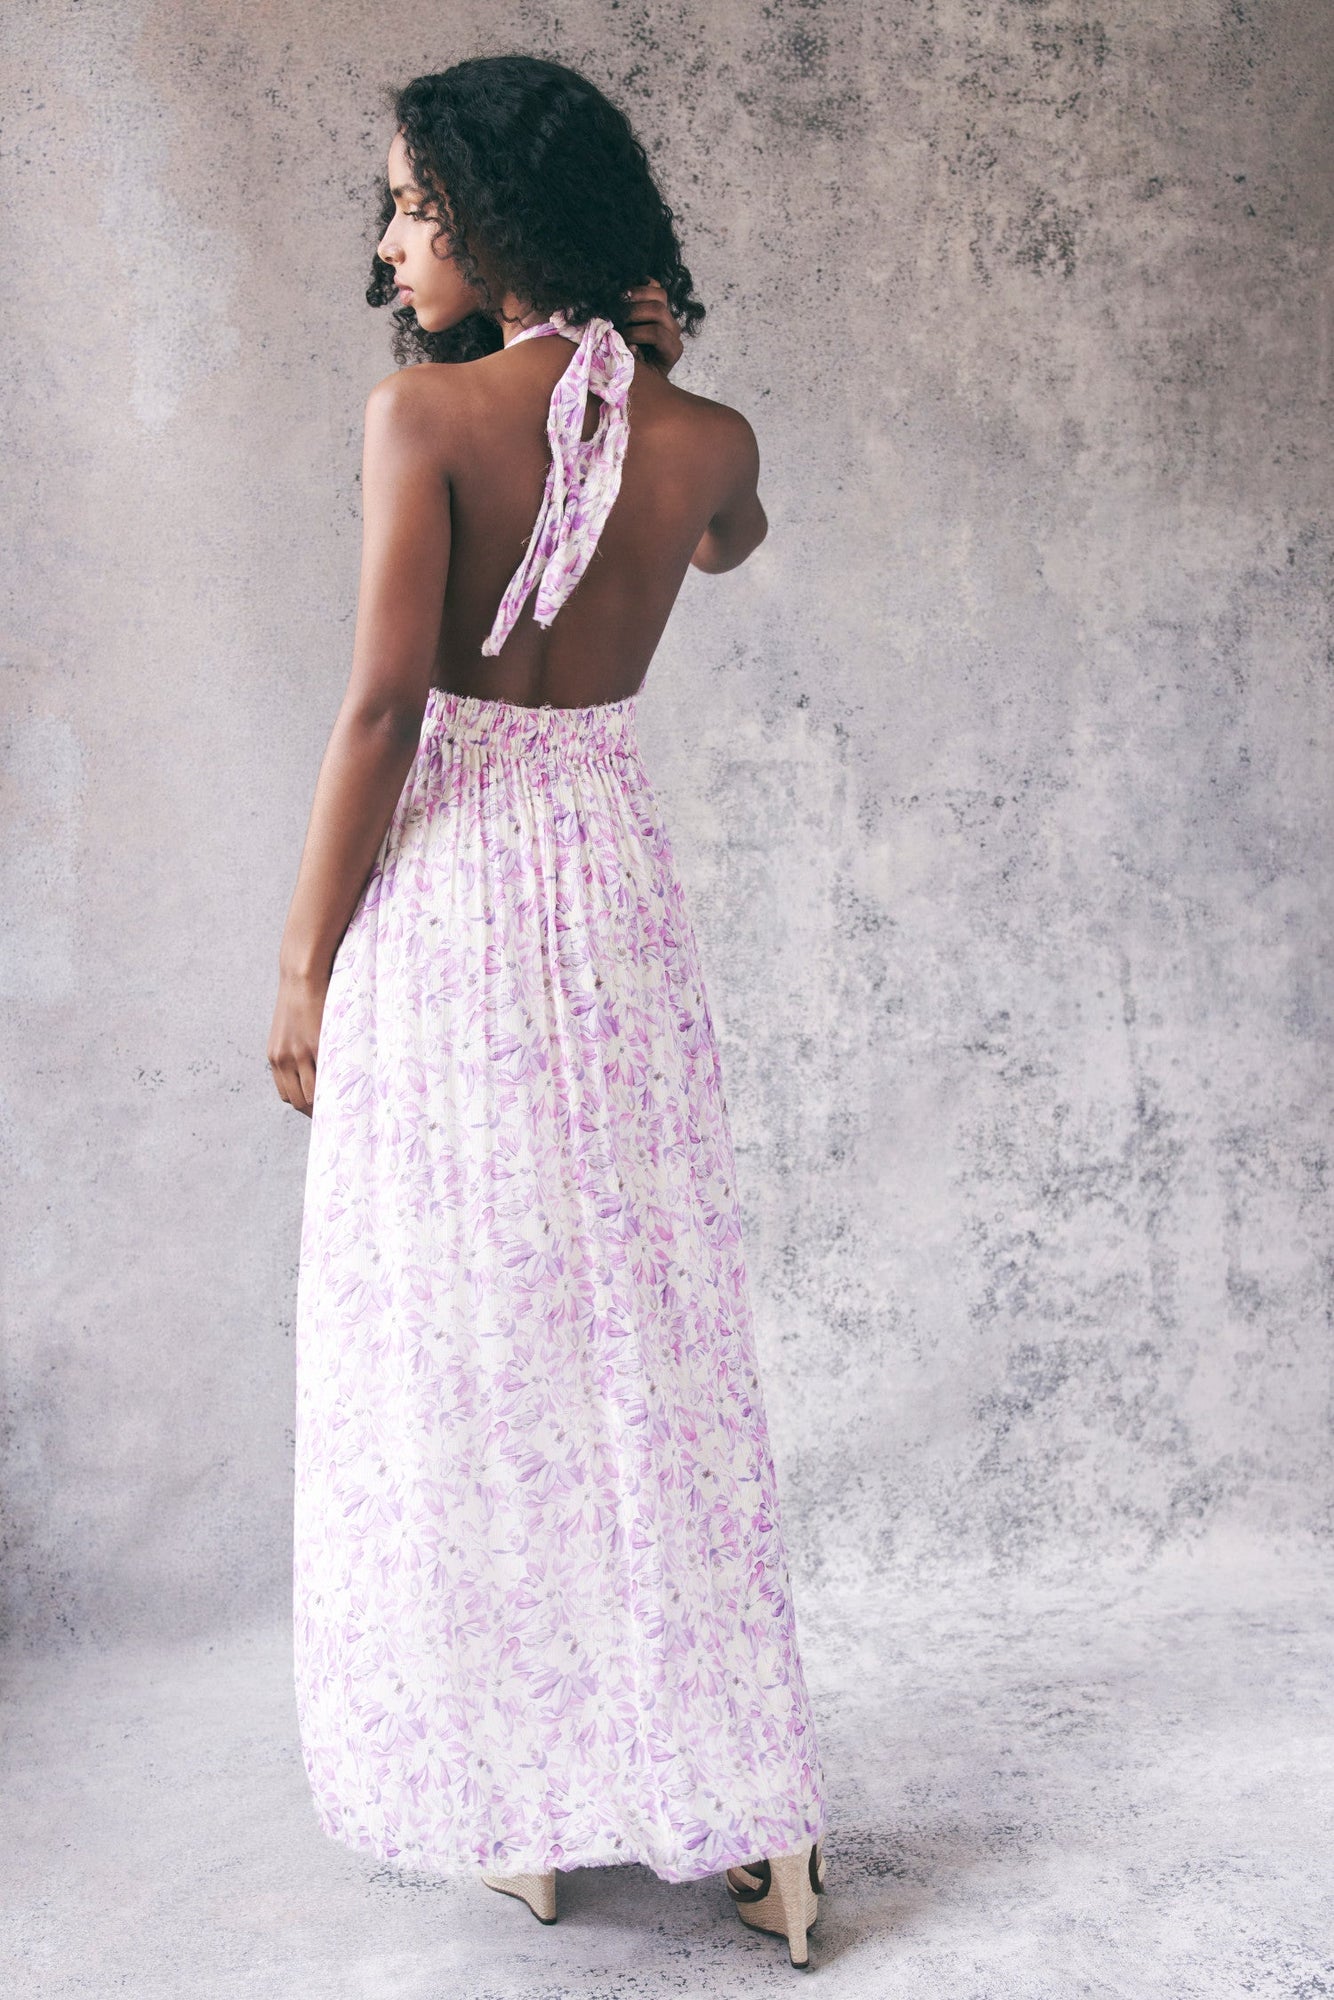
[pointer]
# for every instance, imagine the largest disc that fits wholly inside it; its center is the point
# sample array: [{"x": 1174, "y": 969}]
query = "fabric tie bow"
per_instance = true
[{"x": 584, "y": 476}]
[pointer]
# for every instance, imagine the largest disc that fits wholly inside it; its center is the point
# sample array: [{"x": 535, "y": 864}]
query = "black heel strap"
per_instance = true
[{"x": 758, "y": 1894}]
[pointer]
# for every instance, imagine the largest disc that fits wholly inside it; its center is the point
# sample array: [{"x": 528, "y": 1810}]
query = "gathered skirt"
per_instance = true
[{"x": 542, "y": 1614}]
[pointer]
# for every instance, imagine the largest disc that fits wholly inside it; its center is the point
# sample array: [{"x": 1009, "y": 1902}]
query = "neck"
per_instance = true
[{"x": 516, "y": 317}]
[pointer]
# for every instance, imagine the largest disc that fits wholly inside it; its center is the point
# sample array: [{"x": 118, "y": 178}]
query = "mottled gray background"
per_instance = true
[
  {"x": 999, "y": 775},
  {"x": 1000, "y": 781}
]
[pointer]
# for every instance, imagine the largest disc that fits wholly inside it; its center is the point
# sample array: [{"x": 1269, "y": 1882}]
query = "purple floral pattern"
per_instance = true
[
  {"x": 542, "y": 1614},
  {"x": 584, "y": 476}
]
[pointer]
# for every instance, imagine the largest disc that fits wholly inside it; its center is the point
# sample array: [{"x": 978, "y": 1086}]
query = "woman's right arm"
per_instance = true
[
  {"x": 404, "y": 573},
  {"x": 740, "y": 523}
]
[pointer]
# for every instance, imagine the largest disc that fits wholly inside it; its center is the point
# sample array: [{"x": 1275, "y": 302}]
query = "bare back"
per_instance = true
[{"x": 684, "y": 458}]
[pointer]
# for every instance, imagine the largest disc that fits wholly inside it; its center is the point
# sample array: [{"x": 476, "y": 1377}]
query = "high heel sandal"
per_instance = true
[
  {"x": 538, "y": 1891},
  {"x": 779, "y": 1895}
]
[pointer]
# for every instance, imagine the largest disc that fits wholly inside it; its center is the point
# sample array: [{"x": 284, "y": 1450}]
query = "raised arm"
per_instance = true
[
  {"x": 740, "y": 524},
  {"x": 404, "y": 566}
]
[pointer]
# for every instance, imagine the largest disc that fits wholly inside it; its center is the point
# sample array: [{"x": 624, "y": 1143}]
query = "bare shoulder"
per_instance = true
[
  {"x": 418, "y": 412},
  {"x": 417, "y": 390},
  {"x": 725, "y": 432},
  {"x": 728, "y": 422},
  {"x": 711, "y": 432}
]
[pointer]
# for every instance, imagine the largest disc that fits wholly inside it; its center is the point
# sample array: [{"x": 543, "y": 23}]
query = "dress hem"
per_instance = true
[{"x": 618, "y": 1857}]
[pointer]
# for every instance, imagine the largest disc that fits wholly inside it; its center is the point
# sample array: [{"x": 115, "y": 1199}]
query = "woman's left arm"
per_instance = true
[{"x": 404, "y": 567}]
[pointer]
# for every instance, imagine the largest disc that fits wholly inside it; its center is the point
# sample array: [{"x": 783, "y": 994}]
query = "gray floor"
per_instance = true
[{"x": 1109, "y": 1786}]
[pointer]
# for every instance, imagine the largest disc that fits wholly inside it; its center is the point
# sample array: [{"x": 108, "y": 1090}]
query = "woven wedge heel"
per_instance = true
[
  {"x": 779, "y": 1895},
  {"x": 538, "y": 1891}
]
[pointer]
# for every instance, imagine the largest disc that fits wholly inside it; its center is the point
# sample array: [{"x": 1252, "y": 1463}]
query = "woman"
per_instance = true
[{"x": 542, "y": 1615}]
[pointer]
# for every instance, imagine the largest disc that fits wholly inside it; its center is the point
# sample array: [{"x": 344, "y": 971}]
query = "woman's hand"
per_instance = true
[
  {"x": 294, "y": 1038},
  {"x": 648, "y": 324}
]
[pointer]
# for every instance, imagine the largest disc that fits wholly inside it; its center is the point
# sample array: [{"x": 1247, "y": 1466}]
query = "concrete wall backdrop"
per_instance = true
[{"x": 1000, "y": 775}]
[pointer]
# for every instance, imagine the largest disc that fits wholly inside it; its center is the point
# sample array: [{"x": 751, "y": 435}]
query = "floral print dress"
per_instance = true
[{"x": 542, "y": 1615}]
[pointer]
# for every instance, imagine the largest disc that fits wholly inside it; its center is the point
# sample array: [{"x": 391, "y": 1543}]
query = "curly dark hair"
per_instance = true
[{"x": 529, "y": 161}]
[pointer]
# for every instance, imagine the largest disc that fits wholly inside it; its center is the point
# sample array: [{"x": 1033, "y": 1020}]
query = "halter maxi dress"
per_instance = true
[{"x": 542, "y": 1615}]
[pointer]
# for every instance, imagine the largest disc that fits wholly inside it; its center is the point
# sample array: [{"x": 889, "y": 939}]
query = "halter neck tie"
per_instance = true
[{"x": 584, "y": 476}]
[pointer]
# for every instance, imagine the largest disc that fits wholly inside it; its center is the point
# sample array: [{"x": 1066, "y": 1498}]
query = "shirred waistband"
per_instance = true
[{"x": 601, "y": 729}]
